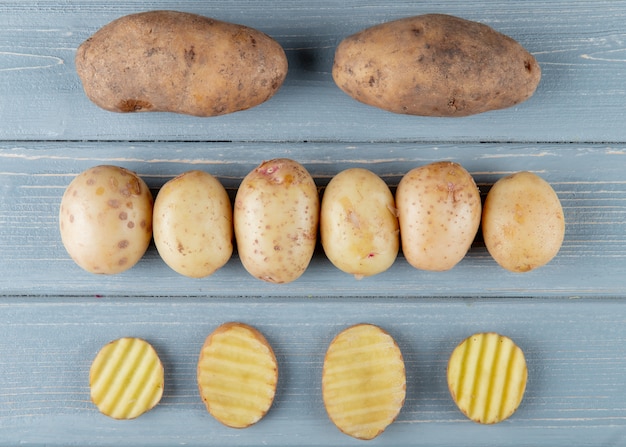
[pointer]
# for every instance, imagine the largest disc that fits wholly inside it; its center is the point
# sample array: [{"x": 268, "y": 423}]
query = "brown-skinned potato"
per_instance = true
[
  {"x": 435, "y": 65},
  {"x": 170, "y": 61}
]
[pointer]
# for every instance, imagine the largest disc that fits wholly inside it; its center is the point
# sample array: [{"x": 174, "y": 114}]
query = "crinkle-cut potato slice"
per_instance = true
[
  {"x": 487, "y": 377},
  {"x": 363, "y": 381},
  {"x": 126, "y": 378},
  {"x": 237, "y": 375}
]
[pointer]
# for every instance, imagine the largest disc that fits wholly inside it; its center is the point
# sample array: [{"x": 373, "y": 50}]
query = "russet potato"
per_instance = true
[
  {"x": 435, "y": 65},
  {"x": 170, "y": 61}
]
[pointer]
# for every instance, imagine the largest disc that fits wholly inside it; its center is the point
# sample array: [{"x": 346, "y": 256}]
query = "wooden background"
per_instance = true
[{"x": 569, "y": 317}]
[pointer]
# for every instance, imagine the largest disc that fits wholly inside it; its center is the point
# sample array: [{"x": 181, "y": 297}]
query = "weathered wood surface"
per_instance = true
[
  {"x": 589, "y": 180},
  {"x": 580, "y": 46},
  {"x": 569, "y": 316}
]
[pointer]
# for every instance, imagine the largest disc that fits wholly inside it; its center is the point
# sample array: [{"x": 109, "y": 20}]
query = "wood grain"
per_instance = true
[
  {"x": 569, "y": 316},
  {"x": 579, "y": 44},
  {"x": 574, "y": 394},
  {"x": 588, "y": 179}
]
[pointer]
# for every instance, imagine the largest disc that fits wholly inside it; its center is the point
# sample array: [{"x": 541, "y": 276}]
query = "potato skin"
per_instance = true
[
  {"x": 276, "y": 217},
  {"x": 193, "y": 224},
  {"x": 523, "y": 223},
  {"x": 358, "y": 223},
  {"x": 439, "y": 211},
  {"x": 169, "y": 61},
  {"x": 435, "y": 65},
  {"x": 105, "y": 219}
]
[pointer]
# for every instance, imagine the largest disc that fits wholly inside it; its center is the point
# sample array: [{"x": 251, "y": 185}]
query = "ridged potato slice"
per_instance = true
[
  {"x": 237, "y": 375},
  {"x": 126, "y": 378},
  {"x": 487, "y": 377},
  {"x": 363, "y": 381}
]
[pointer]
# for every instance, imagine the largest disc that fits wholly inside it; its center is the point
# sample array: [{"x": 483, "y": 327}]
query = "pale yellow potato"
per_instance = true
[
  {"x": 276, "y": 217},
  {"x": 363, "y": 381},
  {"x": 105, "y": 219},
  {"x": 171, "y": 61},
  {"x": 237, "y": 375},
  {"x": 435, "y": 65},
  {"x": 439, "y": 211},
  {"x": 126, "y": 378},
  {"x": 487, "y": 377},
  {"x": 523, "y": 223},
  {"x": 358, "y": 224},
  {"x": 193, "y": 224}
]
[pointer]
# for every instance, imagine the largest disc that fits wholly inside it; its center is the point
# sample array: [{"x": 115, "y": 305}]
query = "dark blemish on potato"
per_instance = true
[
  {"x": 253, "y": 41},
  {"x": 372, "y": 81},
  {"x": 123, "y": 215},
  {"x": 133, "y": 105},
  {"x": 131, "y": 224},
  {"x": 180, "y": 247},
  {"x": 114, "y": 203},
  {"x": 122, "y": 261},
  {"x": 134, "y": 187},
  {"x": 416, "y": 31},
  {"x": 151, "y": 52},
  {"x": 71, "y": 218},
  {"x": 142, "y": 224},
  {"x": 91, "y": 181},
  {"x": 122, "y": 244},
  {"x": 528, "y": 66},
  {"x": 219, "y": 108},
  {"x": 190, "y": 55}
]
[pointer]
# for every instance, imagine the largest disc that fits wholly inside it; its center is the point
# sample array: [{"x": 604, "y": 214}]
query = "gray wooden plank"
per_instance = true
[
  {"x": 589, "y": 180},
  {"x": 579, "y": 45},
  {"x": 568, "y": 316},
  {"x": 575, "y": 351}
]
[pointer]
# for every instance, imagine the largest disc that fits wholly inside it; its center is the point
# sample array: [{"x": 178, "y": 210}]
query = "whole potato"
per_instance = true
[
  {"x": 193, "y": 224},
  {"x": 358, "y": 223},
  {"x": 435, "y": 65},
  {"x": 523, "y": 223},
  {"x": 105, "y": 219},
  {"x": 439, "y": 211},
  {"x": 276, "y": 217},
  {"x": 169, "y": 61}
]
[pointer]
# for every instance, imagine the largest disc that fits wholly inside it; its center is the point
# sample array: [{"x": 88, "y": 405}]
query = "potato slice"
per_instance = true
[
  {"x": 126, "y": 378},
  {"x": 363, "y": 381},
  {"x": 237, "y": 375},
  {"x": 487, "y": 377}
]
